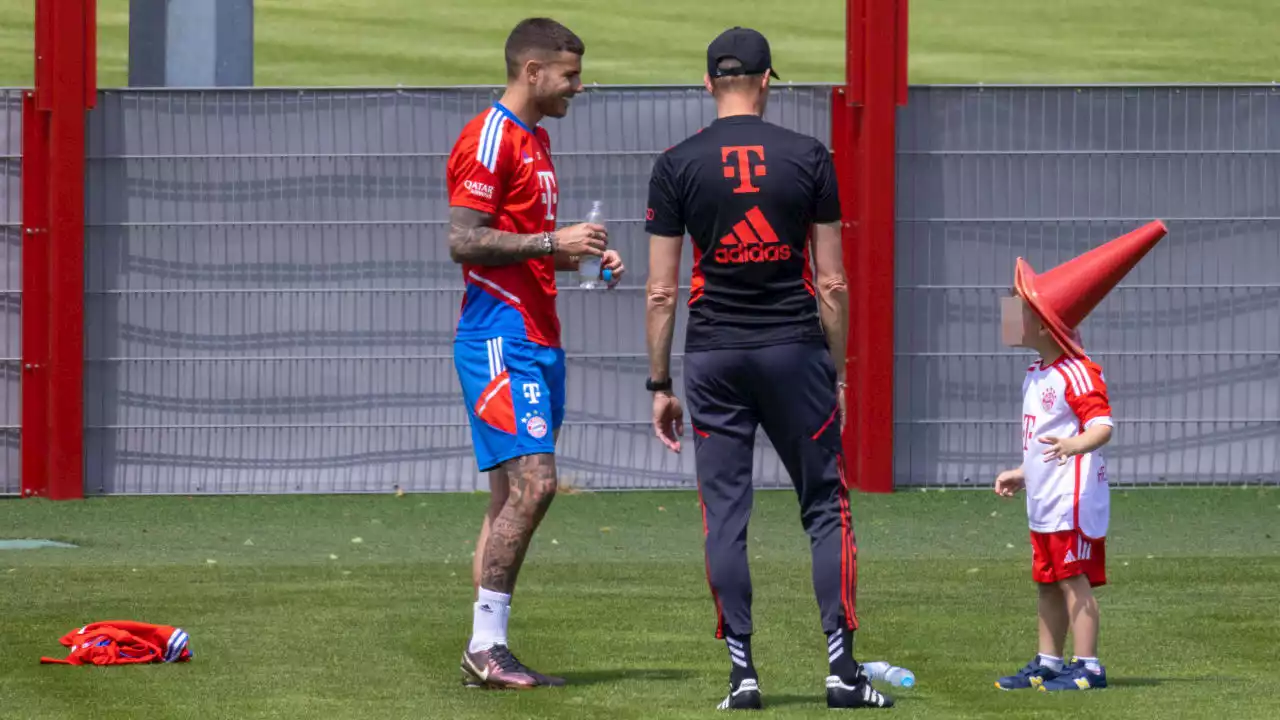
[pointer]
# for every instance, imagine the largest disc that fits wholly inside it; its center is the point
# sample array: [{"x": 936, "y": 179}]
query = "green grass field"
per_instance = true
[
  {"x": 290, "y": 618},
  {"x": 433, "y": 42}
]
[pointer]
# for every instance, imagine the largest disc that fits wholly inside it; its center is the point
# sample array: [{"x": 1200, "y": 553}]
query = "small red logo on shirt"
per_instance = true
[{"x": 1048, "y": 398}]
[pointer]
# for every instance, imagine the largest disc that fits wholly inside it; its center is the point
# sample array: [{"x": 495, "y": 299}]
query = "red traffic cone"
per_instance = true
[{"x": 1065, "y": 295}]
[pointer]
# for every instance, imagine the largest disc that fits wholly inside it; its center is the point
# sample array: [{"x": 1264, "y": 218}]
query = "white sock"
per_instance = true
[
  {"x": 489, "y": 622},
  {"x": 1051, "y": 662},
  {"x": 1090, "y": 663}
]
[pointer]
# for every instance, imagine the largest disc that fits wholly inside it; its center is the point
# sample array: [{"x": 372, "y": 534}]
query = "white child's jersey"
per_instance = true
[{"x": 1063, "y": 400}]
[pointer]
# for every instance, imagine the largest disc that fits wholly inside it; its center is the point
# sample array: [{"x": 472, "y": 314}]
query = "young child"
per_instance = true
[{"x": 1066, "y": 420}]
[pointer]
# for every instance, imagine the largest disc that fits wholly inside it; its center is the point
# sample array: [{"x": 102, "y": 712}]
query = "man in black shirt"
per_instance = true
[{"x": 765, "y": 346}]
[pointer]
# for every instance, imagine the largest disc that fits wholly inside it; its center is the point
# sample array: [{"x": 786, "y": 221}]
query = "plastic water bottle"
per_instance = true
[
  {"x": 894, "y": 675},
  {"x": 589, "y": 274}
]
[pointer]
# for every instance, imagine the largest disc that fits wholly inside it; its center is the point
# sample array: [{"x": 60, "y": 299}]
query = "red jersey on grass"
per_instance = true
[{"x": 120, "y": 642}]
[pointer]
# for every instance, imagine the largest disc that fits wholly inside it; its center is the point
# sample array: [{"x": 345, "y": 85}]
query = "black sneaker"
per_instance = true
[
  {"x": 855, "y": 694},
  {"x": 746, "y": 696}
]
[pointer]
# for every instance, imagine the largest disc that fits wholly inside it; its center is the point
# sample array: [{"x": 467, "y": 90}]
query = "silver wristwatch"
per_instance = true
[{"x": 548, "y": 243}]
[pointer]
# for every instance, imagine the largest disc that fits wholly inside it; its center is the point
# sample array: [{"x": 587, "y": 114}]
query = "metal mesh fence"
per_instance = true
[
  {"x": 10, "y": 288},
  {"x": 1190, "y": 342},
  {"x": 270, "y": 301}
]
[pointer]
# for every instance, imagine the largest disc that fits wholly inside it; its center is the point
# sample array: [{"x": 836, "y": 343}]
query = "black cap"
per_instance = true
[{"x": 744, "y": 45}]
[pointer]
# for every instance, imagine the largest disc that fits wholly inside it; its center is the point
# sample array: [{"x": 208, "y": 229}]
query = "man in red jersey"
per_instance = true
[{"x": 503, "y": 196}]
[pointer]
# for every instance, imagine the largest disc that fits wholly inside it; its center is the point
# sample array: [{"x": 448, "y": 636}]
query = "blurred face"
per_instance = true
[
  {"x": 555, "y": 79},
  {"x": 1019, "y": 325}
]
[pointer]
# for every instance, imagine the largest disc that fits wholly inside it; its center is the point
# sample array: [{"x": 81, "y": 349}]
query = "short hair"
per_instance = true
[
  {"x": 733, "y": 83},
  {"x": 542, "y": 35}
]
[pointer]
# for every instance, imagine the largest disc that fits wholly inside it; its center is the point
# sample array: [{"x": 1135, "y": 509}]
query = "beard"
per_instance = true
[{"x": 556, "y": 106}]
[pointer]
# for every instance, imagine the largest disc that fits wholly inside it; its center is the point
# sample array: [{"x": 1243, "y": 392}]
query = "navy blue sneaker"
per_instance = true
[
  {"x": 1032, "y": 676},
  {"x": 1076, "y": 677}
]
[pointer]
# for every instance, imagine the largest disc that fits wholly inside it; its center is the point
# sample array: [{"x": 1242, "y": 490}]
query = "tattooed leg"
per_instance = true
[
  {"x": 533, "y": 486},
  {"x": 499, "y": 486}
]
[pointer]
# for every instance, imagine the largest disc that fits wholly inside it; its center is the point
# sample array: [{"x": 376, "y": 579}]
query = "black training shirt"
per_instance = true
[{"x": 747, "y": 192}]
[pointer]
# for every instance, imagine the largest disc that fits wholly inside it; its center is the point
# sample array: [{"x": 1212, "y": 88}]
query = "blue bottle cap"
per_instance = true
[{"x": 606, "y": 274}]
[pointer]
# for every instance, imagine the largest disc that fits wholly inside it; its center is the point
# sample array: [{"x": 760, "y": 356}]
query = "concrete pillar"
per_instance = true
[{"x": 190, "y": 43}]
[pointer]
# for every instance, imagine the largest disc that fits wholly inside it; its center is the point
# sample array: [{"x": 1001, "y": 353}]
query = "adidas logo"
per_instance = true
[
  {"x": 752, "y": 241},
  {"x": 1070, "y": 558},
  {"x": 485, "y": 608}
]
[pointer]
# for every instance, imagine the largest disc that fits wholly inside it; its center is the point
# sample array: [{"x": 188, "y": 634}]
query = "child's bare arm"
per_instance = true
[
  {"x": 1093, "y": 438},
  {"x": 1061, "y": 449},
  {"x": 1010, "y": 482}
]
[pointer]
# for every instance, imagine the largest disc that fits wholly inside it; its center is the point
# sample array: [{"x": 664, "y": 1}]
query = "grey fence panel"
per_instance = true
[
  {"x": 1190, "y": 342},
  {"x": 271, "y": 304},
  {"x": 10, "y": 290}
]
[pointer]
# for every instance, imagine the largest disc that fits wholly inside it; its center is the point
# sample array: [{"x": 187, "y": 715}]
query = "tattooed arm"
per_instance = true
[{"x": 473, "y": 241}]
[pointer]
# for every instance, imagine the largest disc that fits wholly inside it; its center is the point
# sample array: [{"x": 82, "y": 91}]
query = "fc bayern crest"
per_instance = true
[
  {"x": 537, "y": 427},
  {"x": 1048, "y": 398}
]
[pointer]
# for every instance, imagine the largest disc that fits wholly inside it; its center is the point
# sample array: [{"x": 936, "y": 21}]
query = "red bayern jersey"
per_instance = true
[
  {"x": 119, "y": 642},
  {"x": 502, "y": 167}
]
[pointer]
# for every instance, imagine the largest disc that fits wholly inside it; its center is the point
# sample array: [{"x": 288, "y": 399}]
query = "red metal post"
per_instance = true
[
  {"x": 855, "y": 29},
  {"x": 35, "y": 297},
  {"x": 863, "y": 137},
  {"x": 53, "y": 249}
]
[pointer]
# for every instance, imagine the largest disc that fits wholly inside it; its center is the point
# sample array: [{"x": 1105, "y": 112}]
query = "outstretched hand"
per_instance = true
[{"x": 1060, "y": 449}]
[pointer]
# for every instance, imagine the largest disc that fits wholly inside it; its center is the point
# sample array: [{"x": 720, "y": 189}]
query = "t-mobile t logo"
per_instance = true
[
  {"x": 550, "y": 196},
  {"x": 741, "y": 167},
  {"x": 532, "y": 391}
]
